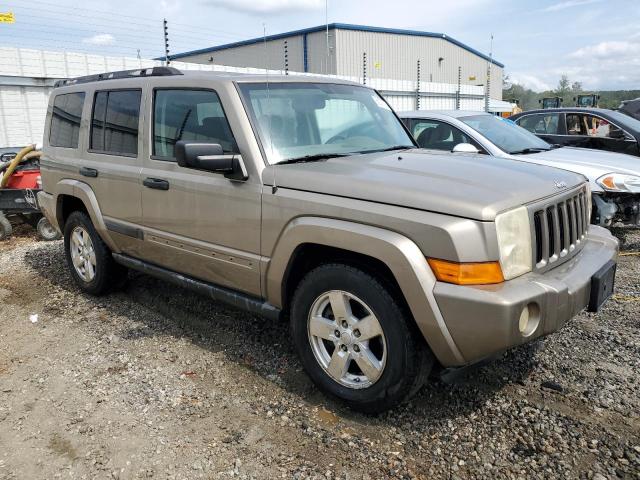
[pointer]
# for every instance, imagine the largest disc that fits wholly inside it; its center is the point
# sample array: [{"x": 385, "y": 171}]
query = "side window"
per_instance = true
[
  {"x": 114, "y": 122},
  {"x": 541, "y": 124},
  {"x": 591, "y": 126},
  {"x": 436, "y": 135},
  {"x": 65, "y": 120},
  {"x": 192, "y": 115}
]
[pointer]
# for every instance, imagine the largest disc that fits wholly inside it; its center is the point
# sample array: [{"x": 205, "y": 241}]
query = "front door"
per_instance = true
[
  {"x": 591, "y": 131},
  {"x": 196, "y": 222}
]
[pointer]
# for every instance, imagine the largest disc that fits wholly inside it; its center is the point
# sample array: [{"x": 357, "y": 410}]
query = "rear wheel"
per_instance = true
[
  {"x": 355, "y": 341},
  {"x": 46, "y": 231},
  {"x": 5, "y": 227},
  {"x": 89, "y": 259}
]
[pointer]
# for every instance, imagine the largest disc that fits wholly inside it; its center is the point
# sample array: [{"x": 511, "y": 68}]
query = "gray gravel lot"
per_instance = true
[{"x": 156, "y": 382}]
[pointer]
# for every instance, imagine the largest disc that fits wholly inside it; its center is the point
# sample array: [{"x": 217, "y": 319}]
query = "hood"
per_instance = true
[
  {"x": 591, "y": 163},
  {"x": 469, "y": 186}
]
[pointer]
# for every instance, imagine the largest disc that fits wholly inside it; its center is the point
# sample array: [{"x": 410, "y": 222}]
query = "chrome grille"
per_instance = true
[{"x": 560, "y": 228}]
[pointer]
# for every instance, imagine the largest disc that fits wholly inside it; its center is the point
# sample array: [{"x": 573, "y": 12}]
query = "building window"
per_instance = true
[
  {"x": 115, "y": 122},
  {"x": 191, "y": 115},
  {"x": 65, "y": 120}
]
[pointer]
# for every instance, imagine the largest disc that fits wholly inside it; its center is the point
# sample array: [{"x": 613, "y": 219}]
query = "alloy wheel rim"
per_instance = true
[
  {"x": 346, "y": 339},
  {"x": 83, "y": 255}
]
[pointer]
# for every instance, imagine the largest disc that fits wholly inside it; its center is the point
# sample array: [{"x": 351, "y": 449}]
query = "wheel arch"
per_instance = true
[
  {"x": 392, "y": 253},
  {"x": 72, "y": 195}
]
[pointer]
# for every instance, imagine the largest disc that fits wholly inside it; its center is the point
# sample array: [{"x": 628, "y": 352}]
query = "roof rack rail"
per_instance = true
[{"x": 140, "y": 72}]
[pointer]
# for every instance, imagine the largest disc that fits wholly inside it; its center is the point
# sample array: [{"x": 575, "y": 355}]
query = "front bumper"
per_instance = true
[
  {"x": 483, "y": 320},
  {"x": 48, "y": 208},
  {"x": 611, "y": 208}
]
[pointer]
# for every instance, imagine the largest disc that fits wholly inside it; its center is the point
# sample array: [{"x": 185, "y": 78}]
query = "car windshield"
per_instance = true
[
  {"x": 505, "y": 134},
  {"x": 320, "y": 120},
  {"x": 625, "y": 120}
]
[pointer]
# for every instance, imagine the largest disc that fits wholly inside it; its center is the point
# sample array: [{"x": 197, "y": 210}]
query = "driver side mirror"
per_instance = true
[
  {"x": 465, "y": 148},
  {"x": 210, "y": 157}
]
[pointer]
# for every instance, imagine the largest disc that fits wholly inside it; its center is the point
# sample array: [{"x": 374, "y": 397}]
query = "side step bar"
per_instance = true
[{"x": 219, "y": 294}]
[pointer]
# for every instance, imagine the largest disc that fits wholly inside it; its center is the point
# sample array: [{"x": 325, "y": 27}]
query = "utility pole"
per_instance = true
[
  {"x": 364, "y": 68},
  {"x": 167, "y": 60},
  {"x": 418, "y": 86},
  {"x": 459, "y": 86},
  {"x": 487, "y": 91},
  {"x": 286, "y": 58},
  {"x": 326, "y": 22}
]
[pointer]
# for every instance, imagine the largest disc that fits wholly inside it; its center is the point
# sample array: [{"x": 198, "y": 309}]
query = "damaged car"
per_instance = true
[{"x": 614, "y": 177}]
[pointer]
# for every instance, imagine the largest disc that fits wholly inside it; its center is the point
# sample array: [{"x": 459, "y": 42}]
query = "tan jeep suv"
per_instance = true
[{"x": 307, "y": 198}]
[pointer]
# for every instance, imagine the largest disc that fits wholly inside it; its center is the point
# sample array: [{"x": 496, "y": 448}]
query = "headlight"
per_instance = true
[
  {"x": 514, "y": 241},
  {"x": 618, "y": 182}
]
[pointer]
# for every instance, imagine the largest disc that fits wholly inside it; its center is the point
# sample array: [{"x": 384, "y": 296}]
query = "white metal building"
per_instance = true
[{"x": 360, "y": 51}]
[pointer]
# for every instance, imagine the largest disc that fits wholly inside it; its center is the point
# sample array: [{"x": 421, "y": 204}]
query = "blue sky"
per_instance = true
[{"x": 596, "y": 42}]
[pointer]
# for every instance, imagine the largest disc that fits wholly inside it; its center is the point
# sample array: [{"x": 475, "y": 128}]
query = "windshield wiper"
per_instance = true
[
  {"x": 313, "y": 158},
  {"x": 556, "y": 145},
  {"x": 389, "y": 149},
  {"x": 530, "y": 150}
]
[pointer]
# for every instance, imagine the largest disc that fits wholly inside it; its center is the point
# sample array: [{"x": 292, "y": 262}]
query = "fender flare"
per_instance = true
[
  {"x": 85, "y": 194},
  {"x": 403, "y": 257}
]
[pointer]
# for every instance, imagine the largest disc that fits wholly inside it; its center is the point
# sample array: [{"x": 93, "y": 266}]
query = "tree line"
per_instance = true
[{"x": 567, "y": 90}]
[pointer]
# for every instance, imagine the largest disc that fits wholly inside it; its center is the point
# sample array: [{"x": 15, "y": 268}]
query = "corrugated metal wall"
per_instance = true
[
  {"x": 256, "y": 55},
  {"x": 395, "y": 56}
]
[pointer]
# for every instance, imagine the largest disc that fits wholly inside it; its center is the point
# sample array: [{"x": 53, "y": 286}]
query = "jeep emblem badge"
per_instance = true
[{"x": 561, "y": 185}]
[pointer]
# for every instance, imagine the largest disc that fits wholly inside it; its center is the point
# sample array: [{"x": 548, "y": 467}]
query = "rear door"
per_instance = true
[
  {"x": 112, "y": 162},
  {"x": 198, "y": 222}
]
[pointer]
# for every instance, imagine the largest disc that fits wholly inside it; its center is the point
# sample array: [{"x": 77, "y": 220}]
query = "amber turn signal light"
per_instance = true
[{"x": 466, "y": 273}]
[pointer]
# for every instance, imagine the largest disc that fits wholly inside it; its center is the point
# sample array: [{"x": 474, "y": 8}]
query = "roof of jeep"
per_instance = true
[
  {"x": 146, "y": 74},
  {"x": 439, "y": 113}
]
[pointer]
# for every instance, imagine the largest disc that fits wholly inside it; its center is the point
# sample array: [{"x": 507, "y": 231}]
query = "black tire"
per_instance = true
[
  {"x": 46, "y": 231},
  {"x": 408, "y": 359},
  {"x": 108, "y": 274},
  {"x": 5, "y": 227}
]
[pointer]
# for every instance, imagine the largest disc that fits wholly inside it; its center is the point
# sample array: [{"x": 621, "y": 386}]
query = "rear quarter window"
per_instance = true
[{"x": 65, "y": 120}]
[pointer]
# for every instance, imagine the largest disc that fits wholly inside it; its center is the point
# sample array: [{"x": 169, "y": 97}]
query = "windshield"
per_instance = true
[
  {"x": 297, "y": 120},
  {"x": 625, "y": 120},
  {"x": 505, "y": 134}
]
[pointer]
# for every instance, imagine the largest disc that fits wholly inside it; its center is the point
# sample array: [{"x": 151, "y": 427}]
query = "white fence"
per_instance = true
[{"x": 27, "y": 77}]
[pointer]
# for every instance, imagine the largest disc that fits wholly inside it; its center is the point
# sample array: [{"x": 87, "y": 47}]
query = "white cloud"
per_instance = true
[
  {"x": 568, "y": 4},
  {"x": 100, "y": 39},
  {"x": 530, "y": 81},
  {"x": 607, "y": 50},
  {"x": 268, "y": 6}
]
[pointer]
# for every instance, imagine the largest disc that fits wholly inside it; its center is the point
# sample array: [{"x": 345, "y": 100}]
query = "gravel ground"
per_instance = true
[{"x": 156, "y": 382}]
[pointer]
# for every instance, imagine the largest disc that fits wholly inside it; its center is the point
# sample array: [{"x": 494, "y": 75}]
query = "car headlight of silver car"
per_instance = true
[
  {"x": 619, "y": 182},
  {"x": 514, "y": 241}
]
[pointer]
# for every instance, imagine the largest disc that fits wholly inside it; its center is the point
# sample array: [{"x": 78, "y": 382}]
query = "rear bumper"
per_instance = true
[
  {"x": 483, "y": 320},
  {"x": 48, "y": 208}
]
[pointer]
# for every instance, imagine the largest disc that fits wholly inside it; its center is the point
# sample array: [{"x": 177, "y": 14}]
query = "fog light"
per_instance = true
[{"x": 529, "y": 319}]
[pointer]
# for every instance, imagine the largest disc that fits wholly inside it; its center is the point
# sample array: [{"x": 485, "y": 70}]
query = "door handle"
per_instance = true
[
  {"x": 88, "y": 172},
  {"x": 156, "y": 183}
]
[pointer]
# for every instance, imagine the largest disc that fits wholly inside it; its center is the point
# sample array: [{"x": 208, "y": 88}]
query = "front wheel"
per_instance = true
[{"x": 355, "y": 341}]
